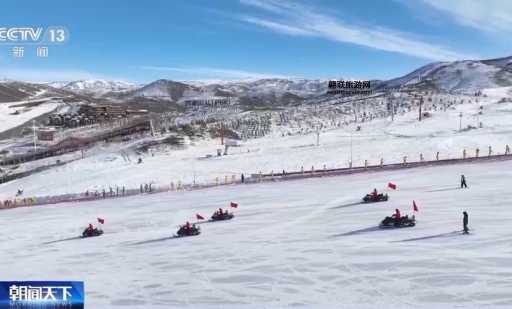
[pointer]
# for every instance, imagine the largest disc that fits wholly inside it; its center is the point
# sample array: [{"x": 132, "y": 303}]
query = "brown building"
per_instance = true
[
  {"x": 46, "y": 134},
  {"x": 103, "y": 111}
]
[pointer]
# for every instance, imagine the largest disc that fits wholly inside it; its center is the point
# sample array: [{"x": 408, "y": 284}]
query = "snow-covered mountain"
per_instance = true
[
  {"x": 165, "y": 89},
  {"x": 266, "y": 91},
  {"x": 96, "y": 86},
  {"x": 459, "y": 76},
  {"x": 12, "y": 91},
  {"x": 276, "y": 86},
  {"x": 57, "y": 84}
]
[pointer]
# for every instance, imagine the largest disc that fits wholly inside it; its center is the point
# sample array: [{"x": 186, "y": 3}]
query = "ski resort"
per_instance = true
[{"x": 159, "y": 166}]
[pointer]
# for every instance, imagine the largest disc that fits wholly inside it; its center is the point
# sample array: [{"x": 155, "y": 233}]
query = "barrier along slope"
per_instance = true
[{"x": 254, "y": 178}]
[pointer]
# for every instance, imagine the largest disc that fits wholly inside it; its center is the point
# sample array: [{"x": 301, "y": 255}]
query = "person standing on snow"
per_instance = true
[
  {"x": 465, "y": 222},
  {"x": 463, "y": 181}
]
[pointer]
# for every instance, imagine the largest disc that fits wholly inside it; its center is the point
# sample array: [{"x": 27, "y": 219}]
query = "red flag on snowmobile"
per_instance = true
[
  {"x": 234, "y": 205},
  {"x": 414, "y": 206},
  {"x": 391, "y": 185},
  {"x": 199, "y": 217},
  {"x": 101, "y": 220}
]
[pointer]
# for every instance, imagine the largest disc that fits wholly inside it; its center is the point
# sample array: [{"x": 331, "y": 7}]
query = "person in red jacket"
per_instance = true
[
  {"x": 397, "y": 214},
  {"x": 90, "y": 230}
]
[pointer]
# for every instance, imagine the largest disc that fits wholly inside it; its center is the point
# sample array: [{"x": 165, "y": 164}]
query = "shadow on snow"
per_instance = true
[
  {"x": 155, "y": 240},
  {"x": 361, "y": 231},
  {"x": 449, "y": 234},
  {"x": 444, "y": 189},
  {"x": 62, "y": 240},
  {"x": 347, "y": 205}
]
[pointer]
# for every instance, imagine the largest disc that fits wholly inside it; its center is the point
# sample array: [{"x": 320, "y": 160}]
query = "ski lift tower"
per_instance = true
[
  {"x": 35, "y": 135},
  {"x": 318, "y": 135}
]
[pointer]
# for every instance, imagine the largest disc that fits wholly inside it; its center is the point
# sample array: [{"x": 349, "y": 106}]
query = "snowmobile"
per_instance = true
[
  {"x": 393, "y": 222},
  {"x": 370, "y": 198},
  {"x": 217, "y": 216},
  {"x": 188, "y": 231},
  {"x": 95, "y": 232}
]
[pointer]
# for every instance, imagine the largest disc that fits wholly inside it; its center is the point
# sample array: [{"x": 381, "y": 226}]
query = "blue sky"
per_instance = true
[{"x": 141, "y": 41}]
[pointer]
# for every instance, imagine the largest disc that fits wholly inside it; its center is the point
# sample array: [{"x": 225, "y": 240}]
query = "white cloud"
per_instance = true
[
  {"x": 277, "y": 26},
  {"x": 295, "y": 19},
  {"x": 488, "y": 15},
  {"x": 206, "y": 72}
]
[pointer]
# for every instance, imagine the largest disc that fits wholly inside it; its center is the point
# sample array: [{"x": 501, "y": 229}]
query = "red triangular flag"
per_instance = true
[
  {"x": 414, "y": 206},
  {"x": 234, "y": 205},
  {"x": 391, "y": 185},
  {"x": 199, "y": 217},
  {"x": 101, "y": 220}
]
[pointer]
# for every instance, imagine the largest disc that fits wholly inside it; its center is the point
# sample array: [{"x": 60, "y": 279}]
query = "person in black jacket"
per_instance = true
[
  {"x": 465, "y": 222},
  {"x": 463, "y": 181}
]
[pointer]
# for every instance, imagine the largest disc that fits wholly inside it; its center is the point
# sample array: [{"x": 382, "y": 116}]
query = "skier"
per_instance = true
[
  {"x": 242, "y": 178},
  {"x": 463, "y": 181},
  {"x": 465, "y": 222},
  {"x": 220, "y": 211}
]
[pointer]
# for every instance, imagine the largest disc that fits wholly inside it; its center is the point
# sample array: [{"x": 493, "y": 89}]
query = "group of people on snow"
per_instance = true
[
  {"x": 465, "y": 217},
  {"x": 148, "y": 187}
]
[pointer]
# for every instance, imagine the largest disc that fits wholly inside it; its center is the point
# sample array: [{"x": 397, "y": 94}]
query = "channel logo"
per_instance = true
[
  {"x": 41, "y": 294},
  {"x": 33, "y": 35}
]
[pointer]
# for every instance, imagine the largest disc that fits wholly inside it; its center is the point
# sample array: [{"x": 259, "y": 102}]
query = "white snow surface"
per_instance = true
[
  {"x": 9, "y": 121},
  {"x": 107, "y": 166},
  {"x": 305, "y": 242}
]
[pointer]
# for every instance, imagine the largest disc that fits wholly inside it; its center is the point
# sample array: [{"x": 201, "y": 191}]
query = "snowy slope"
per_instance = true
[
  {"x": 300, "y": 243},
  {"x": 12, "y": 91},
  {"x": 378, "y": 139},
  {"x": 9, "y": 119},
  {"x": 460, "y": 76}
]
